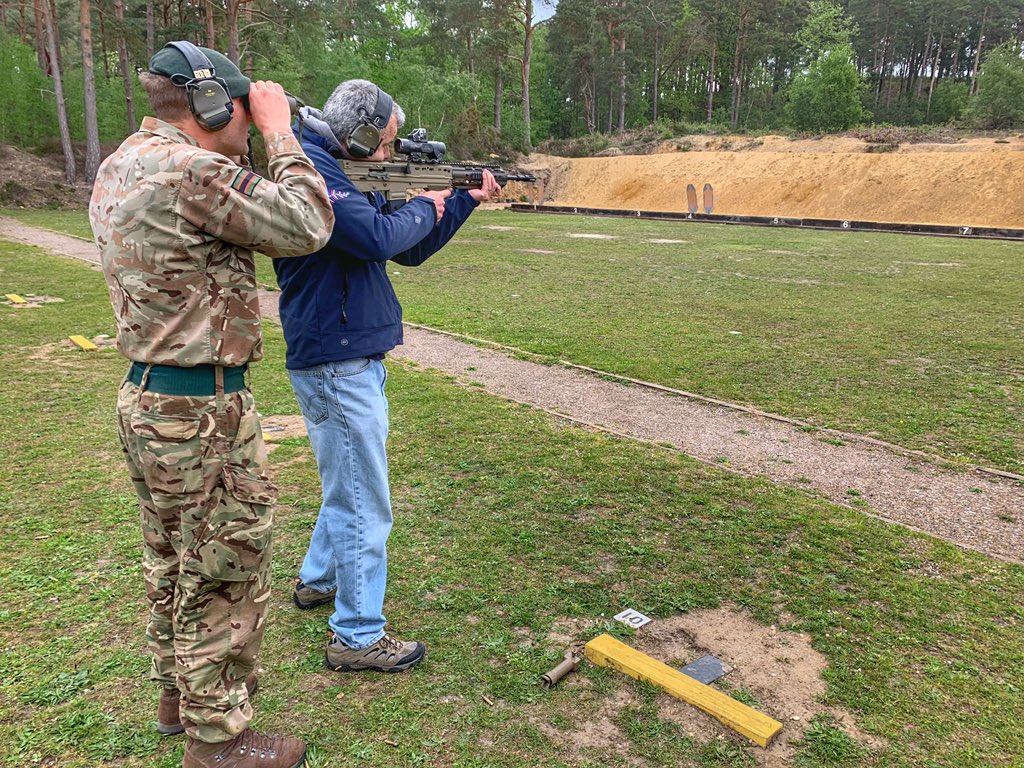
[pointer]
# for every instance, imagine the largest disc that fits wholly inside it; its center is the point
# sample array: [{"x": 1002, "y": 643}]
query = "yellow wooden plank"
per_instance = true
[
  {"x": 83, "y": 342},
  {"x": 606, "y": 651},
  {"x": 16, "y": 299}
]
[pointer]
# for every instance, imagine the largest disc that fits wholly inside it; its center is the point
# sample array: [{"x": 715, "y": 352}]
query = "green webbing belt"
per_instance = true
[{"x": 198, "y": 381}]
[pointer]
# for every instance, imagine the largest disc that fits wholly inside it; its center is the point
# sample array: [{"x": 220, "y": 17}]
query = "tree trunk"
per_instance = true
[
  {"x": 882, "y": 65},
  {"x": 92, "y": 131},
  {"x": 524, "y": 70},
  {"x": 977, "y": 53},
  {"x": 954, "y": 67},
  {"x": 150, "y": 30},
  {"x": 246, "y": 14},
  {"x": 888, "y": 90},
  {"x": 737, "y": 66},
  {"x": 23, "y": 22},
  {"x": 122, "y": 57},
  {"x": 50, "y": 24},
  {"x": 655, "y": 86},
  {"x": 589, "y": 104},
  {"x": 499, "y": 88},
  {"x": 924, "y": 57},
  {"x": 104, "y": 55},
  {"x": 622, "y": 83},
  {"x": 711, "y": 79},
  {"x": 231, "y": 9},
  {"x": 935, "y": 74},
  {"x": 42, "y": 49},
  {"x": 211, "y": 30}
]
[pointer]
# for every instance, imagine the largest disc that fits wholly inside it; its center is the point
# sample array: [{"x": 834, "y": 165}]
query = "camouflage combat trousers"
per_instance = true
[{"x": 199, "y": 472}]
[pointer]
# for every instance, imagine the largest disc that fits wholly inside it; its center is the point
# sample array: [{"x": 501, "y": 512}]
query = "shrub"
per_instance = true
[
  {"x": 999, "y": 100},
  {"x": 826, "y": 98}
]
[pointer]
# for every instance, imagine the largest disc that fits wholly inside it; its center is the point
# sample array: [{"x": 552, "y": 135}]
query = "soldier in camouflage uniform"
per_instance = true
[{"x": 177, "y": 220}]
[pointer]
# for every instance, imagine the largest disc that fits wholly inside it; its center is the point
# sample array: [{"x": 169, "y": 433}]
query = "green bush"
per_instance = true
[
  {"x": 999, "y": 100},
  {"x": 827, "y": 96},
  {"x": 949, "y": 101},
  {"x": 29, "y": 115}
]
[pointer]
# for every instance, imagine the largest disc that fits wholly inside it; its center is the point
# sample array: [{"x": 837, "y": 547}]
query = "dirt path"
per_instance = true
[{"x": 972, "y": 509}]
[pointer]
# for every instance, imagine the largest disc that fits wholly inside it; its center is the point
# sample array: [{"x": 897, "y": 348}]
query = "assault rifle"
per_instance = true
[{"x": 423, "y": 167}]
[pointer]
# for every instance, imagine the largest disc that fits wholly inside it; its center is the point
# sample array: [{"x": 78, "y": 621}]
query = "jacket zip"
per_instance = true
[{"x": 344, "y": 297}]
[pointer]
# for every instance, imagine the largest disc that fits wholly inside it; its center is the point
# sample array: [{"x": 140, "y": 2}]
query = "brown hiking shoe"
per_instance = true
[
  {"x": 389, "y": 654},
  {"x": 306, "y": 597},
  {"x": 168, "y": 720},
  {"x": 249, "y": 749}
]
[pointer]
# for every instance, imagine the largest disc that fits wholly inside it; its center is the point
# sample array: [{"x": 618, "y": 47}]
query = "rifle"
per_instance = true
[{"x": 422, "y": 168}]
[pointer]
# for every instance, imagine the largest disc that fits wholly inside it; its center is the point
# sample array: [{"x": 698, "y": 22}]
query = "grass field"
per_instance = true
[
  {"x": 914, "y": 340},
  {"x": 510, "y": 525}
]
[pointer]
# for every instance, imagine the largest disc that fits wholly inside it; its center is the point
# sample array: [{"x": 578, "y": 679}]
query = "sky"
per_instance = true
[{"x": 544, "y": 9}]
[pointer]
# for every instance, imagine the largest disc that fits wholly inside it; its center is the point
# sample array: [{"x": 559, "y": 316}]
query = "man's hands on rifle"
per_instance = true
[
  {"x": 437, "y": 198},
  {"x": 488, "y": 190}
]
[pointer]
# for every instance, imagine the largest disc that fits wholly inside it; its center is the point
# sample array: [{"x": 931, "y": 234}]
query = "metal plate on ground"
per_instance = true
[
  {"x": 706, "y": 669},
  {"x": 632, "y": 618}
]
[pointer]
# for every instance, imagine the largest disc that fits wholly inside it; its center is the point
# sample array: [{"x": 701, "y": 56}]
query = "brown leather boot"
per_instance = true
[
  {"x": 249, "y": 749},
  {"x": 168, "y": 720}
]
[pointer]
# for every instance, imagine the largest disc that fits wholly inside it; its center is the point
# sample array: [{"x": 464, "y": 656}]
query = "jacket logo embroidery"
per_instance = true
[{"x": 335, "y": 195}]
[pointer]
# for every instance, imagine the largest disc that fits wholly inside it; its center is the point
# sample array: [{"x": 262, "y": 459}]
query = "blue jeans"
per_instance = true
[{"x": 346, "y": 415}]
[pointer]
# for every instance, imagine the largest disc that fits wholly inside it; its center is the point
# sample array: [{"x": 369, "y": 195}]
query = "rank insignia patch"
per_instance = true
[{"x": 245, "y": 182}]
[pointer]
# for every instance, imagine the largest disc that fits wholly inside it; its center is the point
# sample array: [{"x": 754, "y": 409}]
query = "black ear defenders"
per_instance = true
[
  {"x": 365, "y": 137},
  {"x": 208, "y": 97}
]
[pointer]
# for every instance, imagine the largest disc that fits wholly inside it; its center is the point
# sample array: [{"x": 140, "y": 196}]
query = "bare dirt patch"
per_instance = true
[
  {"x": 278, "y": 428},
  {"x": 32, "y": 300},
  {"x": 776, "y": 668},
  {"x": 58, "y": 351},
  {"x": 31, "y": 181}
]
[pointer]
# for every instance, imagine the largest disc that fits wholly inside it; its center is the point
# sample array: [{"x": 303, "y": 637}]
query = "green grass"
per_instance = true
[
  {"x": 911, "y": 339},
  {"x": 509, "y": 522}
]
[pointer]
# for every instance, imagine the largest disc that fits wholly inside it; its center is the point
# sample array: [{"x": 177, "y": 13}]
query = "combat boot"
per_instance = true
[
  {"x": 168, "y": 718},
  {"x": 249, "y": 749}
]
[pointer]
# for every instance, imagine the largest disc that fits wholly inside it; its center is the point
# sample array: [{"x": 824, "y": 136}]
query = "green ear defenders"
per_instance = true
[
  {"x": 208, "y": 97},
  {"x": 365, "y": 137}
]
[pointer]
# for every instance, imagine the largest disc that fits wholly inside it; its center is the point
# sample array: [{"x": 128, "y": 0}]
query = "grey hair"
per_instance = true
[{"x": 341, "y": 112}]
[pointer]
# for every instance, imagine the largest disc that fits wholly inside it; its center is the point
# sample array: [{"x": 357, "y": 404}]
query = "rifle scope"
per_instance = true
[{"x": 418, "y": 147}]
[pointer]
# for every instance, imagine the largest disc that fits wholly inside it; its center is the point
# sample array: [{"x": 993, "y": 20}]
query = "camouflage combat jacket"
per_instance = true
[{"x": 177, "y": 226}]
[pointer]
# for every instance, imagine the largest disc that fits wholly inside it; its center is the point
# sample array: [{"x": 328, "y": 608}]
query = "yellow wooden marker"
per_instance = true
[
  {"x": 83, "y": 342},
  {"x": 606, "y": 651},
  {"x": 16, "y": 299}
]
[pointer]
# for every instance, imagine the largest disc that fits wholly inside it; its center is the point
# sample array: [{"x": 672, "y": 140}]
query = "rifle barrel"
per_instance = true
[{"x": 473, "y": 178}]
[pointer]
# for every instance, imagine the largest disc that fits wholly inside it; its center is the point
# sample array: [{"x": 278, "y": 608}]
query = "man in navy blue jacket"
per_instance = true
[{"x": 340, "y": 316}]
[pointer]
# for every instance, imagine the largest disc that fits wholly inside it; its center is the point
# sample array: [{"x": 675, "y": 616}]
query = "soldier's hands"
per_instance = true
[
  {"x": 269, "y": 107},
  {"x": 490, "y": 188},
  {"x": 437, "y": 198}
]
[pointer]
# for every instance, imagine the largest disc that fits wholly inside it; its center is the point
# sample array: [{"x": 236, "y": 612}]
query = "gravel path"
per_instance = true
[{"x": 973, "y": 509}]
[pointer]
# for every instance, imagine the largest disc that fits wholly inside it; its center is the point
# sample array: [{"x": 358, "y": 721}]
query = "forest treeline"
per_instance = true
[{"x": 489, "y": 77}]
